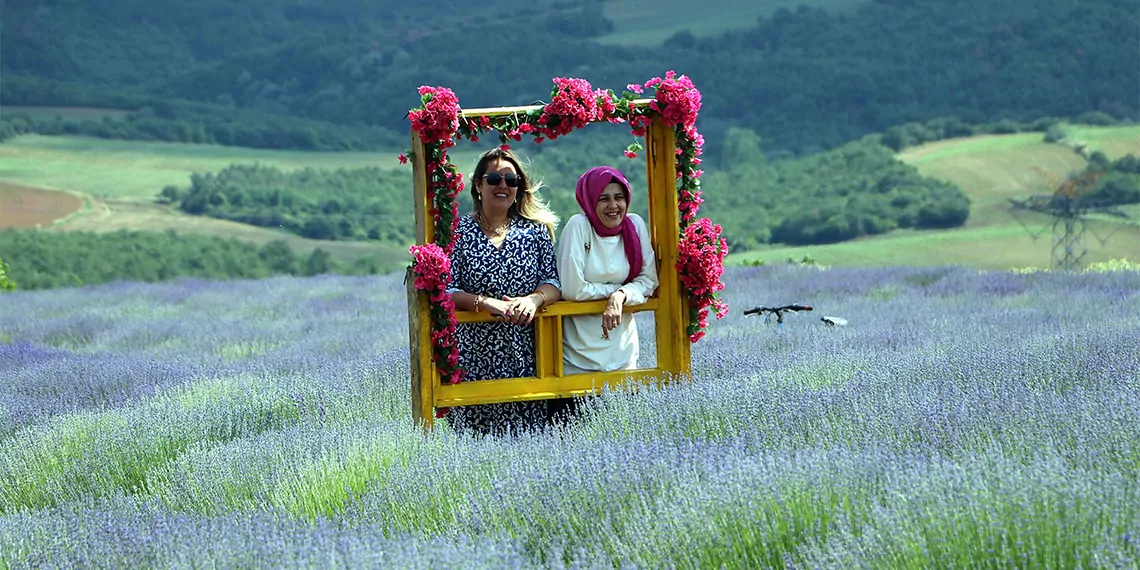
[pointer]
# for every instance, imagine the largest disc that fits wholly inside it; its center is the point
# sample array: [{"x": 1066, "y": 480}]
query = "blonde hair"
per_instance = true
[{"x": 528, "y": 203}]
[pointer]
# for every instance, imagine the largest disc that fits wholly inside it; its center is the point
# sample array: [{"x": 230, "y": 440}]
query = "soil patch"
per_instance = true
[{"x": 27, "y": 207}]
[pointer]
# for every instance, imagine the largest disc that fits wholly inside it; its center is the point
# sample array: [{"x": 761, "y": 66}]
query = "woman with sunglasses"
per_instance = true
[
  {"x": 503, "y": 263},
  {"x": 604, "y": 253}
]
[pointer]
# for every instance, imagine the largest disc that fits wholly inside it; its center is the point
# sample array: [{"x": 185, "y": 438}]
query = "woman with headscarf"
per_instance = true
[{"x": 603, "y": 253}]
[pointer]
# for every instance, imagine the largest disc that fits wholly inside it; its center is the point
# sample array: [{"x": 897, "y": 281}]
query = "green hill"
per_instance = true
[{"x": 990, "y": 170}]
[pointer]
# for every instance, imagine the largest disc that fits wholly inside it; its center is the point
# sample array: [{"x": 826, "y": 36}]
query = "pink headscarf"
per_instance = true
[{"x": 590, "y": 186}]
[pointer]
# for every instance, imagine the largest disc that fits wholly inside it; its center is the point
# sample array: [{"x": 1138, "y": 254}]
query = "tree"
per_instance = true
[
  {"x": 170, "y": 194},
  {"x": 318, "y": 262},
  {"x": 6, "y": 284}
]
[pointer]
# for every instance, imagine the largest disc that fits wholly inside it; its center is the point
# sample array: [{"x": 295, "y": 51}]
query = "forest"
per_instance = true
[{"x": 805, "y": 80}]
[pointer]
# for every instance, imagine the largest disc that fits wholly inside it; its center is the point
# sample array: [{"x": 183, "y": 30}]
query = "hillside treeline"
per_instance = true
[
  {"x": 344, "y": 204},
  {"x": 41, "y": 260},
  {"x": 804, "y": 80},
  {"x": 170, "y": 120}
]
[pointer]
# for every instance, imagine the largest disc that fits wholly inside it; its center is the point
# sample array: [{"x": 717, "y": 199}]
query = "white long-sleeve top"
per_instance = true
[{"x": 592, "y": 267}]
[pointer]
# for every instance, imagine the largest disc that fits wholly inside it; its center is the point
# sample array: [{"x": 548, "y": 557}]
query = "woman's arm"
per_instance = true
[
  {"x": 521, "y": 310},
  {"x": 463, "y": 300}
]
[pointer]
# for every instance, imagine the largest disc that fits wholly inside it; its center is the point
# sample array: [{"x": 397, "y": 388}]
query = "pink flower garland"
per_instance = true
[
  {"x": 700, "y": 261},
  {"x": 436, "y": 123},
  {"x": 700, "y": 264},
  {"x": 432, "y": 268},
  {"x": 574, "y": 104}
]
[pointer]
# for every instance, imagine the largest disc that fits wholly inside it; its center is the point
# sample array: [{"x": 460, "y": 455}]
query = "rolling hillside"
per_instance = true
[{"x": 990, "y": 170}]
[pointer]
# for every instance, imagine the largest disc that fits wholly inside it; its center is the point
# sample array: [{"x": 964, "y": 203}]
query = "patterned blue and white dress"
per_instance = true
[{"x": 487, "y": 351}]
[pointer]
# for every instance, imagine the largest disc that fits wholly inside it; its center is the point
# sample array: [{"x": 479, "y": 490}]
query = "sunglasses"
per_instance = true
[{"x": 494, "y": 178}]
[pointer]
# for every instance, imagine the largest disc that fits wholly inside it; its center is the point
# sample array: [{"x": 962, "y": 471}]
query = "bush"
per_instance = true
[
  {"x": 6, "y": 284},
  {"x": 1096, "y": 118},
  {"x": 1056, "y": 133}
]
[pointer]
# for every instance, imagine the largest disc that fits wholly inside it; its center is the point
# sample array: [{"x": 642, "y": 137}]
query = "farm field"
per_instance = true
[
  {"x": 137, "y": 171},
  {"x": 24, "y": 207},
  {"x": 958, "y": 420},
  {"x": 990, "y": 169},
  {"x": 119, "y": 180},
  {"x": 650, "y": 22},
  {"x": 109, "y": 216},
  {"x": 1004, "y": 246}
]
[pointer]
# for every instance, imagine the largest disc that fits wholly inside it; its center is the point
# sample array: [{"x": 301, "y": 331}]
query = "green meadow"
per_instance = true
[
  {"x": 649, "y": 22},
  {"x": 1113, "y": 141},
  {"x": 137, "y": 171},
  {"x": 990, "y": 169}
]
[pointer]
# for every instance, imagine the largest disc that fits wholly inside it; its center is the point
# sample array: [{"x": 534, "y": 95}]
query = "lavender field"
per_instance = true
[{"x": 961, "y": 419}]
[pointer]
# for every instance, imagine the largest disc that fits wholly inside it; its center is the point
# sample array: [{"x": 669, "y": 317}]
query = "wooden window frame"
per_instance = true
[{"x": 671, "y": 315}]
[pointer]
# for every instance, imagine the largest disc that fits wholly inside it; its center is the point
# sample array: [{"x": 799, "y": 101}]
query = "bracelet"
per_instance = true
[
  {"x": 478, "y": 303},
  {"x": 543, "y": 295}
]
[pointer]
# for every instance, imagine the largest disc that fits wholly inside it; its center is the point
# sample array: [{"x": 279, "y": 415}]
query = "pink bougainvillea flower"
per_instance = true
[
  {"x": 437, "y": 121},
  {"x": 573, "y": 105},
  {"x": 700, "y": 265}
]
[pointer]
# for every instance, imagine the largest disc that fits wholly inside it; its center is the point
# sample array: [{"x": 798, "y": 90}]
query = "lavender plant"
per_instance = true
[{"x": 961, "y": 419}]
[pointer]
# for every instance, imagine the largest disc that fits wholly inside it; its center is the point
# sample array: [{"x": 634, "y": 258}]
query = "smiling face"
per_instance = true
[
  {"x": 612, "y": 205},
  {"x": 498, "y": 198}
]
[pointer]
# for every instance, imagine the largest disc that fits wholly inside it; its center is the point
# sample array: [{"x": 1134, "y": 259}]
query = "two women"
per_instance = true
[{"x": 504, "y": 263}]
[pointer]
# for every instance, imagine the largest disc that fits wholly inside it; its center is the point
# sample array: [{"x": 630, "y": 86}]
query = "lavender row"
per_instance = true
[{"x": 557, "y": 503}]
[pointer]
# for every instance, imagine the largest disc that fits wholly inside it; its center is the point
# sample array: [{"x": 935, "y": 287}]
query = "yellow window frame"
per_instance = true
[{"x": 671, "y": 315}]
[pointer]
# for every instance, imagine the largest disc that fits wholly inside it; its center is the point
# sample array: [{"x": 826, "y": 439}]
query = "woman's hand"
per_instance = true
[
  {"x": 519, "y": 310},
  {"x": 611, "y": 318}
]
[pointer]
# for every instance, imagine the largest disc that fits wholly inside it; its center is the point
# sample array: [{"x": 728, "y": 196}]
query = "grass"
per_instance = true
[
  {"x": 1113, "y": 141},
  {"x": 990, "y": 170},
  {"x": 1000, "y": 246},
  {"x": 137, "y": 171},
  {"x": 110, "y": 215},
  {"x": 119, "y": 180},
  {"x": 650, "y": 22}
]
